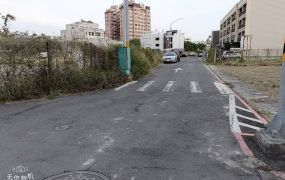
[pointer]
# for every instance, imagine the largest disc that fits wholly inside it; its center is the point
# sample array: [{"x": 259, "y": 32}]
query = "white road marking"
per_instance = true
[
  {"x": 249, "y": 126},
  {"x": 233, "y": 115},
  {"x": 221, "y": 88},
  {"x": 88, "y": 162},
  {"x": 145, "y": 86},
  {"x": 125, "y": 85},
  {"x": 249, "y": 118},
  {"x": 108, "y": 142},
  {"x": 133, "y": 178},
  {"x": 118, "y": 119},
  {"x": 243, "y": 109},
  {"x": 178, "y": 69},
  {"x": 212, "y": 72},
  {"x": 168, "y": 86},
  {"x": 195, "y": 87}
]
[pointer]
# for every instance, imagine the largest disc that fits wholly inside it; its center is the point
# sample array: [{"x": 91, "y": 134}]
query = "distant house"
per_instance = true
[{"x": 82, "y": 30}]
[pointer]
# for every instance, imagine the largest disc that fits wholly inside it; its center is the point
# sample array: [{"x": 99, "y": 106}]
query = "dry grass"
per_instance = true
[{"x": 265, "y": 79}]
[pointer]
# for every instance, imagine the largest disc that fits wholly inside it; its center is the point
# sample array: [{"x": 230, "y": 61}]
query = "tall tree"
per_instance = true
[{"x": 6, "y": 20}]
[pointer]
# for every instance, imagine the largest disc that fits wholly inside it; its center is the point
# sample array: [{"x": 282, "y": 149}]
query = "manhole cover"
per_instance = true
[
  {"x": 79, "y": 175},
  {"x": 62, "y": 128}
]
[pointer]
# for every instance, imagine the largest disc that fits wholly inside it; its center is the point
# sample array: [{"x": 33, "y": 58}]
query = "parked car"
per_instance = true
[
  {"x": 184, "y": 54},
  {"x": 192, "y": 54},
  {"x": 200, "y": 55},
  {"x": 231, "y": 55},
  {"x": 170, "y": 57}
]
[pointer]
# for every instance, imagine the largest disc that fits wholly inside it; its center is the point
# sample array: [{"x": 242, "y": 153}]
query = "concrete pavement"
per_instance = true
[{"x": 171, "y": 125}]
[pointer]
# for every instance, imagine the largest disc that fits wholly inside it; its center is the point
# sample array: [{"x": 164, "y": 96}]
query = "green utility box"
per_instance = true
[{"x": 124, "y": 55}]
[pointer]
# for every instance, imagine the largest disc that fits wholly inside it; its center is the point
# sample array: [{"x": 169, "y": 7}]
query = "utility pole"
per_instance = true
[
  {"x": 272, "y": 139},
  {"x": 174, "y": 22},
  {"x": 126, "y": 15},
  {"x": 125, "y": 52}
]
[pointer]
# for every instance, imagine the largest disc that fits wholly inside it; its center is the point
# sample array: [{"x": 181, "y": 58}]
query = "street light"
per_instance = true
[{"x": 174, "y": 22}]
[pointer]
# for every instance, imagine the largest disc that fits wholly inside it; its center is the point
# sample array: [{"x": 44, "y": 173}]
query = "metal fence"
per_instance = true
[{"x": 262, "y": 54}]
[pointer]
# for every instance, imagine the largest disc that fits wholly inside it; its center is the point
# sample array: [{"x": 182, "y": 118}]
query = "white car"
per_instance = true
[
  {"x": 231, "y": 54},
  {"x": 170, "y": 57}
]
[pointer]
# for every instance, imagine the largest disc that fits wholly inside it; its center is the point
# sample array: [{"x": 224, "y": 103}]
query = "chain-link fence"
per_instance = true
[{"x": 261, "y": 54}]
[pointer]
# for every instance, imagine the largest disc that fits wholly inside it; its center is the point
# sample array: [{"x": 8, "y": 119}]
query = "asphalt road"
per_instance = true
[{"x": 168, "y": 126}]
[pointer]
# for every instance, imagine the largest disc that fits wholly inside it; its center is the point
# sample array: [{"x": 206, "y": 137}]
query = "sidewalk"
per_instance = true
[{"x": 263, "y": 104}]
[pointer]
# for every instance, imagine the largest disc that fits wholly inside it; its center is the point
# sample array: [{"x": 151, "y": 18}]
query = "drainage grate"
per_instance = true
[
  {"x": 79, "y": 175},
  {"x": 62, "y": 128}
]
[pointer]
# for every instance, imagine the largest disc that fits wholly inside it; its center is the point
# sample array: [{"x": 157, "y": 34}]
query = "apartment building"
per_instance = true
[
  {"x": 254, "y": 24},
  {"x": 112, "y": 23},
  {"x": 174, "y": 39},
  {"x": 139, "y": 20},
  {"x": 82, "y": 30}
]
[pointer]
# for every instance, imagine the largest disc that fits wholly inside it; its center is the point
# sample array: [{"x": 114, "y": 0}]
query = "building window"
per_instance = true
[
  {"x": 157, "y": 45},
  {"x": 157, "y": 39}
]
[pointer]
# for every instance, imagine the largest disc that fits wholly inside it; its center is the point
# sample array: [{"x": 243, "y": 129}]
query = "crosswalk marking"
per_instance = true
[
  {"x": 249, "y": 118},
  {"x": 195, "y": 87},
  {"x": 233, "y": 115},
  {"x": 243, "y": 109},
  {"x": 145, "y": 86},
  {"x": 249, "y": 126},
  {"x": 125, "y": 85},
  {"x": 168, "y": 86}
]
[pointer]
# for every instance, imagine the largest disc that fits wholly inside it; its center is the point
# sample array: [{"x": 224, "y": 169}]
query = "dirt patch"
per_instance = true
[{"x": 265, "y": 79}]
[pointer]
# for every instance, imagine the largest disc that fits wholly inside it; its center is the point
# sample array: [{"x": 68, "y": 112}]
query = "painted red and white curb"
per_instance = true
[{"x": 233, "y": 117}]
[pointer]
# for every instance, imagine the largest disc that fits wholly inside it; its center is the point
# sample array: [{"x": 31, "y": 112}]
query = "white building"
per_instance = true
[
  {"x": 171, "y": 40},
  {"x": 153, "y": 40},
  {"x": 82, "y": 30},
  {"x": 86, "y": 31},
  {"x": 174, "y": 39}
]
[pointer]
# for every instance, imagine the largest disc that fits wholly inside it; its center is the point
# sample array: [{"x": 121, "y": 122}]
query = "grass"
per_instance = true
[{"x": 264, "y": 76}]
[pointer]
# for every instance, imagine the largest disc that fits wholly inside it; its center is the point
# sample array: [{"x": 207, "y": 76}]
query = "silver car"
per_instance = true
[{"x": 170, "y": 57}]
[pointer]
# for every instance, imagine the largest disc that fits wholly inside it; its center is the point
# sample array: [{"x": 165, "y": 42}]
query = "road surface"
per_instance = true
[{"x": 171, "y": 125}]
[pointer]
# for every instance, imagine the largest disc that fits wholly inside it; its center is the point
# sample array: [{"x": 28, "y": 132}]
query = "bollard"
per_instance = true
[{"x": 272, "y": 139}]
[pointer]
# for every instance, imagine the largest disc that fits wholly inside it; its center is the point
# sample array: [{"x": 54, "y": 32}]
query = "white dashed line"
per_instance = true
[
  {"x": 168, "y": 86},
  {"x": 125, "y": 85},
  {"x": 195, "y": 87},
  {"x": 145, "y": 86}
]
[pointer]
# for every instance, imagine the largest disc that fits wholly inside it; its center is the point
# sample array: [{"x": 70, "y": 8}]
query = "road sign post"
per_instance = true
[{"x": 272, "y": 139}]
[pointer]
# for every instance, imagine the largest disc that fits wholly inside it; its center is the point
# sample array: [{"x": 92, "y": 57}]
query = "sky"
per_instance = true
[{"x": 200, "y": 17}]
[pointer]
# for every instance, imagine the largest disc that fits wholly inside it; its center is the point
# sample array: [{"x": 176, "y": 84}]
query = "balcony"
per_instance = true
[
  {"x": 241, "y": 13},
  {"x": 241, "y": 26}
]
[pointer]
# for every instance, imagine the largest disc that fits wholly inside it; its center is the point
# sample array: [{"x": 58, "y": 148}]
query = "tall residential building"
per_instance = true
[
  {"x": 255, "y": 24},
  {"x": 112, "y": 23},
  {"x": 139, "y": 20},
  {"x": 82, "y": 30}
]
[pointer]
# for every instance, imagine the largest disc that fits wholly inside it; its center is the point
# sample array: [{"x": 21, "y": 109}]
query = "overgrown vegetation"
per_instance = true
[
  {"x": 243, "y": 62},
  {"x": 31, "y": 68},
  {"x": 143, "y": 60}
]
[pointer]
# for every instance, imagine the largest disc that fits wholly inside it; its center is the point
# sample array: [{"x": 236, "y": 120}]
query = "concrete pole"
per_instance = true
[
  {"x": 278, "y": 124},
  {"x": 126, "y": 14},
  {"x": 272, "y": 140}
]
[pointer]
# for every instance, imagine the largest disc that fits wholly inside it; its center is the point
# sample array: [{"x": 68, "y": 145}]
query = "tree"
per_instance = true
[
  {"x": 5, "y": 27},
  {"x": 193, "y": 47},
  {"x": 135, "y": 43}
]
